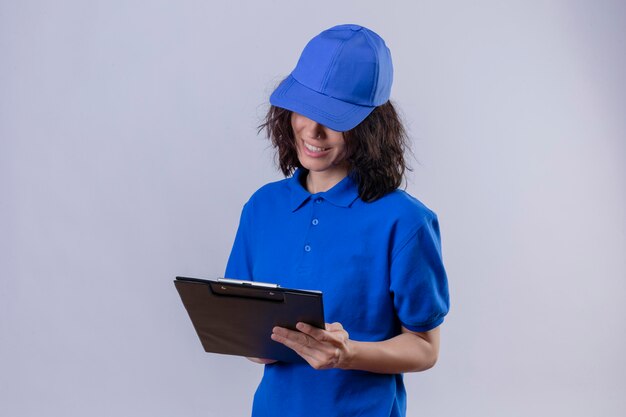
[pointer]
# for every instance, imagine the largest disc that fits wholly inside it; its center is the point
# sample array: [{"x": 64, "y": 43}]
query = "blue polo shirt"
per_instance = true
[{"x": 379, "y": 266}]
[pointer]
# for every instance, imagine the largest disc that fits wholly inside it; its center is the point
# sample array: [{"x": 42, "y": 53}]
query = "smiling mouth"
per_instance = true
[{"x": 314, "y": 148}]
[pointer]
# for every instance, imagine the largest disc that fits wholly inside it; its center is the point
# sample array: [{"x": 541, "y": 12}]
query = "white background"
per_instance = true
[{"x": 128, "y": 145}]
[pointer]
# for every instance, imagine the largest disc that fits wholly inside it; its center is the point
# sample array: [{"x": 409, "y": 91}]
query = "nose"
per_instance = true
[
  {"x": 307, "y": 128},
  {"x": 314, "y": 130}
]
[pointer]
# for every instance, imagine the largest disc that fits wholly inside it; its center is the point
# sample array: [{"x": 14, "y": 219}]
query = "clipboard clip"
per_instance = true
[
  {"x": 251, "y": 283},
  {"x": 247, "y": 289}
]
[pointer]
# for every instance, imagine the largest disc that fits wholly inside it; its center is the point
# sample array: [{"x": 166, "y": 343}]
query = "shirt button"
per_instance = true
[
  {"x": 319, "y": 200},
  {"x": 307, "y": 248},
  {"x": 315, "y": 222}
]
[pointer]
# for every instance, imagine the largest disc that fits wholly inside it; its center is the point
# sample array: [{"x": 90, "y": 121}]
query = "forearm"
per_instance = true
[
  {"x": 407, "y": 352},
  {"x": 333, "y": 348}
]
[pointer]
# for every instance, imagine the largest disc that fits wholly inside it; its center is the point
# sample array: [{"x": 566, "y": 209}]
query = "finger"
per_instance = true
[
  {"x": 293, "y": 335},
  {"x": 308, "y": 353},
  {"x": 315, "y": 358},
  {"x": 262, "y": 361},
  {"x": 306, "y": 346},
  {"x": 337, "y": 330},
  {"x": 319, "y": 355},
  {"x": 317, "y": 334},
  {"x": 334, "y": 327},
  {"x": 335, "y": 337}
]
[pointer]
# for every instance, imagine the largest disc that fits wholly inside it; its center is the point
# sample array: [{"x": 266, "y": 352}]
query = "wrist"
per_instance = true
[{"x": 351, "y": 354}]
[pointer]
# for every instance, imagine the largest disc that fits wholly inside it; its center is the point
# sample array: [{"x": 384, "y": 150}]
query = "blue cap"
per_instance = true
[{"x": 342, "y": 75}]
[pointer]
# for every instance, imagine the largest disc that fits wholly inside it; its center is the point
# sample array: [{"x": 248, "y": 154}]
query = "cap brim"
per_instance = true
[{"x": 328, "y": 111}]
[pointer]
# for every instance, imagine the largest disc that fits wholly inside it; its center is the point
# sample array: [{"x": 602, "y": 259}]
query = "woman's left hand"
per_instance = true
[{"x": 322, "y": 349}]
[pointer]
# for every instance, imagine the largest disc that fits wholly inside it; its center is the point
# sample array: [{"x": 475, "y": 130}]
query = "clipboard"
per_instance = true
[{"x": 236, "y": 317}]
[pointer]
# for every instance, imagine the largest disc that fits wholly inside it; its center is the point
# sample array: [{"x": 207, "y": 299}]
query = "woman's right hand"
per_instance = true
[{"x": 262, "y": 361}]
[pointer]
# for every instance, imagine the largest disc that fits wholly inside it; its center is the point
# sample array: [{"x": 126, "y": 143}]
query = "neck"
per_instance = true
[{"x": 318, "y": 182}]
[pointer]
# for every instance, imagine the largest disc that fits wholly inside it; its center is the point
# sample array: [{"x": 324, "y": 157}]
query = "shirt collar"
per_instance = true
[{"x": 342, "y": 194}]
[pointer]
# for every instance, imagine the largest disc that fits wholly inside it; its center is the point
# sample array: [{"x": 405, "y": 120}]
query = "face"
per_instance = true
[{"x": 320, "y": 149}]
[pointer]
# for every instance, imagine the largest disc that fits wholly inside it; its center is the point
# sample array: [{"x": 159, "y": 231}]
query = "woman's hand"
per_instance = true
[
  {"x": 332, "y": 348},
  {"x": 322, "y": 349}
]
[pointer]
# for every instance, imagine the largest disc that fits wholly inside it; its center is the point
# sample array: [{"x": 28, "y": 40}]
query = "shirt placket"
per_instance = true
[{"x": 311, "y": 247}]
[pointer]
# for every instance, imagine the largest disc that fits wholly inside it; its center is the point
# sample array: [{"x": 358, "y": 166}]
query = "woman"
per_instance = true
[{"x": 339, "y": 224}]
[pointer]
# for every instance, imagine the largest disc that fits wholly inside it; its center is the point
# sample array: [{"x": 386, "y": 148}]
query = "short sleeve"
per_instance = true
[
  {"x": 240, "y": 263},
  {"x": 418, "y": 280}
]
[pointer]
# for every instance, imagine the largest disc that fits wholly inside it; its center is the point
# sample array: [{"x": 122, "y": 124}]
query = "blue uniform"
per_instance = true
[{"x": 379, "y": 266}]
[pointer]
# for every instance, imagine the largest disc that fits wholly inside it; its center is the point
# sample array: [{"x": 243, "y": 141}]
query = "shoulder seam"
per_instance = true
[{"x": 411, "y": 235}]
